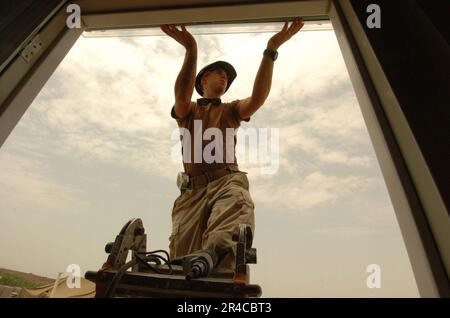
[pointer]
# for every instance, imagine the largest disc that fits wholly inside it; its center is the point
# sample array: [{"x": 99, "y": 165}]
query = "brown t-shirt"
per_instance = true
[{"x": 223, "y": 116}]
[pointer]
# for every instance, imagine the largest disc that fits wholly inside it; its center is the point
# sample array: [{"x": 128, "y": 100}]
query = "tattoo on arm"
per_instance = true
[{"x": 184, "y": 85}]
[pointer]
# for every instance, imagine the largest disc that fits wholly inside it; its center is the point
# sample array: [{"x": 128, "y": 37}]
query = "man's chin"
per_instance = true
[{"x": 220, "y": 91}]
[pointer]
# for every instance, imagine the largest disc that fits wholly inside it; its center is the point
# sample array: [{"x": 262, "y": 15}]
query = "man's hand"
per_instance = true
[
  {"x": 285, "y": 34},
  {"x": 183, "y": 37}
]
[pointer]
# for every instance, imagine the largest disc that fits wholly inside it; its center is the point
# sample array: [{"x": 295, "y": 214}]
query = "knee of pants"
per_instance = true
[
  {"x": 224, "y": 246},
  {"x": 218, "y": 241},
  {"x": 228, "y": 262}
]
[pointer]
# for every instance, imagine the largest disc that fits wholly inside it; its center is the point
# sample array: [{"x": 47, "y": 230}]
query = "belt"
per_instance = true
[{"x": 209, "y": 176}]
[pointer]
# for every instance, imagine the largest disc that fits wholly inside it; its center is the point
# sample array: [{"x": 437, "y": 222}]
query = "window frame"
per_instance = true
[{"x": 415, "y": 197}]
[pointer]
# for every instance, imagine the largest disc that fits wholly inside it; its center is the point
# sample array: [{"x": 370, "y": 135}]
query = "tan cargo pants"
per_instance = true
[{"x": 207, "y": 217}]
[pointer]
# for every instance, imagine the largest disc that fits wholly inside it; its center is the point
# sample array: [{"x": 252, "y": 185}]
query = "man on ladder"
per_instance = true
[{"x": 215, "y": 196}]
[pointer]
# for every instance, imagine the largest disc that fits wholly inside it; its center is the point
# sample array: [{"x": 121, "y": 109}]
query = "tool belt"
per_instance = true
[{"x": 185, "y": 181}]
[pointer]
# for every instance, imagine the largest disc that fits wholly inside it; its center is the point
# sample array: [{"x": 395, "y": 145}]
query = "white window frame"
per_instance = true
[{"x": 420, "y": 210}]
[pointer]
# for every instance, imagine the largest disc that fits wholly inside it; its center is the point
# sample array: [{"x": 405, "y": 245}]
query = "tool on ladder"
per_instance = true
[{"x": 154, "y": 275}]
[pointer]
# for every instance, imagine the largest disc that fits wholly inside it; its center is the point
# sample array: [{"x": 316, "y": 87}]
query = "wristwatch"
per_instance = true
[{"x": 271, "y": 54}]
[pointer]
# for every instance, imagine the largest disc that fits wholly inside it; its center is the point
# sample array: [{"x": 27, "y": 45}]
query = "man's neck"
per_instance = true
[{"x": 211, "y": 96}]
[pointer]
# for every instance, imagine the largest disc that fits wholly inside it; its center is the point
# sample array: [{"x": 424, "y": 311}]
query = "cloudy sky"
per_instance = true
[{"x": 94, "y": 150}]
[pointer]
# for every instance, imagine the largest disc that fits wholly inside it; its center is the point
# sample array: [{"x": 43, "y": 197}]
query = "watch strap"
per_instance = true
[{"x": 271, "y": 54}]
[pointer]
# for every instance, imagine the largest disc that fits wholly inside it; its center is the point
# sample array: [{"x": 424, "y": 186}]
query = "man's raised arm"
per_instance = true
[
  {"x": 184, "y": 84},
  {"x": 263, "y": 80}
]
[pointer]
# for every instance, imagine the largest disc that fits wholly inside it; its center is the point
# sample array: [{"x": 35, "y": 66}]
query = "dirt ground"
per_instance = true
[{"x": 40, "y": 280}]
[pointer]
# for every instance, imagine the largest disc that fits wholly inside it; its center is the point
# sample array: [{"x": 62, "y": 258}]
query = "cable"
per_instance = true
[
  {"x": 154, "y": 252},
  {"x": 150, "y": 257},
  {"x": 154, "y": 258},
  {"x": 117, "y": 277}
]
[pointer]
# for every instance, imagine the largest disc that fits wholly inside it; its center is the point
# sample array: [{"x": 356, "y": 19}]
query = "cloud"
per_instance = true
[
  {"x": 110, "y": 100},
  {"x": 24, "y": 184},
  {"x": 345, "y": 232},
  {"x": 113, "y": 109},
  {"x": 302, "y": 195}
]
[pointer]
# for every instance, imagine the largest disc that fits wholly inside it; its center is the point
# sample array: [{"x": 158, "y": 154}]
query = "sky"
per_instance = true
[{"x": 94, "y": 149}]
